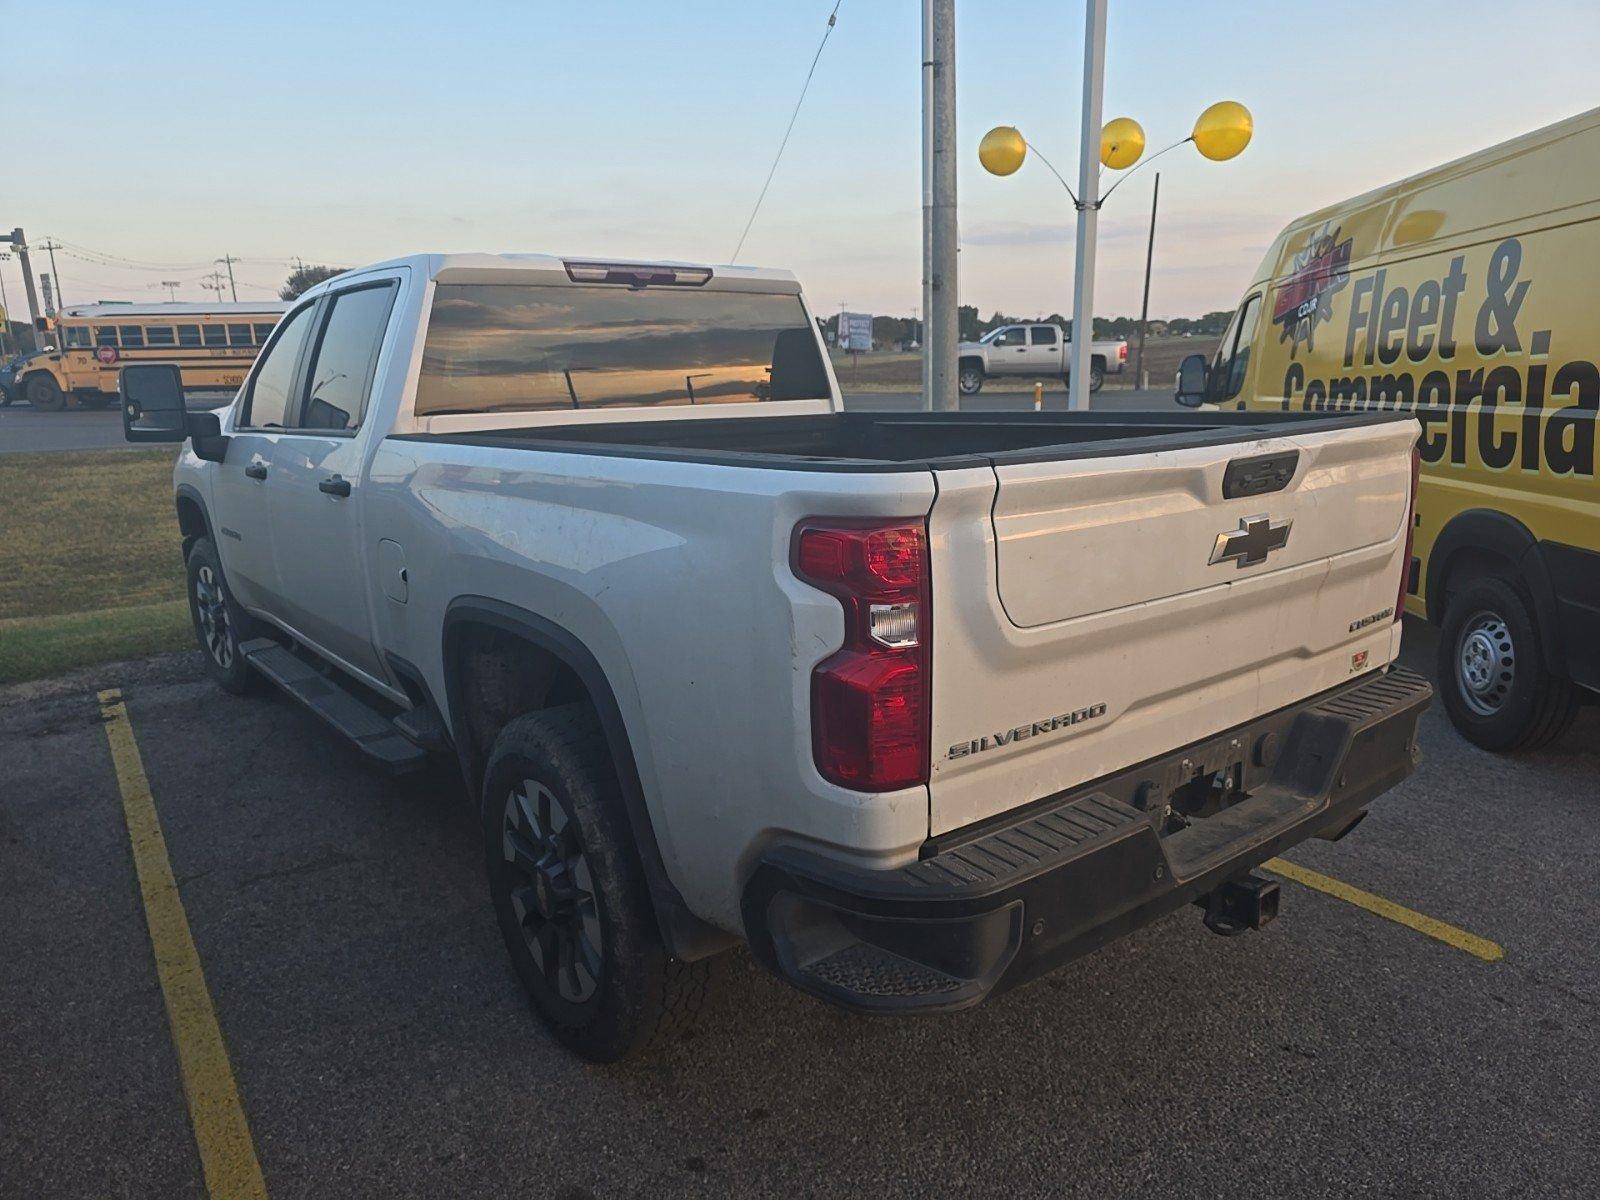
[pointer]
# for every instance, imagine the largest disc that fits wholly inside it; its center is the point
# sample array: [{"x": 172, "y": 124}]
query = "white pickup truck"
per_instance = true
[
  {"x": 1036, "y": 350},
  {"x": 917, "y": 705}
]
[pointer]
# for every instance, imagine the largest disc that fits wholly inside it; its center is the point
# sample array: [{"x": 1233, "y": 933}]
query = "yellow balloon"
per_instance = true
[
  {"x": 1121, "y": 143},
  {"x": 1002, "y": 150},
  {"x": 1223, "y": 130}
]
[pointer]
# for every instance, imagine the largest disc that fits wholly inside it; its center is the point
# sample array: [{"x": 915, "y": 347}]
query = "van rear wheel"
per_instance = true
[
  {"x": 44, "y": 393},
  {"x": 1493, "y": 679}
]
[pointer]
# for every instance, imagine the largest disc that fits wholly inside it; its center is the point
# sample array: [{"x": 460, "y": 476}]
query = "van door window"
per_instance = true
[{"x": 1239, "y": 363}]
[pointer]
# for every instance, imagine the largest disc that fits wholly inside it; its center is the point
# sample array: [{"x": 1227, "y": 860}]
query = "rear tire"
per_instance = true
[
  {"x": 44, "y": 393},
  {"x": 570, "y": 895},
  {"x": 219, "y": 625},
  {"x": 1496, "y": 687},
  {"x": 969, "y": 379},
  {"x": 1097, "y": 378}
]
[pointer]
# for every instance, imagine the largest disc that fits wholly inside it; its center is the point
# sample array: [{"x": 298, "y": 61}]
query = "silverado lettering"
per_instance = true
[{"x": 1019, "y": 732}]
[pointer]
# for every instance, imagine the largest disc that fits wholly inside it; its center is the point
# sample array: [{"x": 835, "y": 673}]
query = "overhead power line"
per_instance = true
[{"x": 794, "y": 116}]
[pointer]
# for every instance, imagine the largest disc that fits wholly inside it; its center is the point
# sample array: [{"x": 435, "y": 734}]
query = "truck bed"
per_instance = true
[{"x": 910, "y": 441}]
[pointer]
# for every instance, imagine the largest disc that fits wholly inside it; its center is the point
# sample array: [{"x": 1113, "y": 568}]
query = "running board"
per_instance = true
[{"x": 367, "y": 729}]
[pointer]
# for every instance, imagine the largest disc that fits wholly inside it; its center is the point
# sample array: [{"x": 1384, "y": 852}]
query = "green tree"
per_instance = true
[{"x": 304, "y": 277}]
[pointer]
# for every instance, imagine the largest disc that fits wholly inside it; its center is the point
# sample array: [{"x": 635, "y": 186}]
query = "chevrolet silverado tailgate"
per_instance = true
[{"x": 1098, "y": 609}]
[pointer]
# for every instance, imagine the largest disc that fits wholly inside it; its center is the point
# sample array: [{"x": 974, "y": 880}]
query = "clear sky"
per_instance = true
[{"x": 345, "y": 132}]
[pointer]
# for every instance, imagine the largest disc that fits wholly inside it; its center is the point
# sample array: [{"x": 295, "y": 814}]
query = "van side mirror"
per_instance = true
[
  {"x": 1191, "y": 390},
  {"x": 152, "y": 403}
]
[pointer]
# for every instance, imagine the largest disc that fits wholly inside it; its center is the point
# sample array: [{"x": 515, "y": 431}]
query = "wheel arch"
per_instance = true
[
  {"x": 686, "y": 936},
  {"x": 193, "y": 521},
  {"x": 1480, "y": 539}
]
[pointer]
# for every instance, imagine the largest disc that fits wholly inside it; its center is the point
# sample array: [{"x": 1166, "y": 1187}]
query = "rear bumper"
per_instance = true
[{"x": 990, "y": 907}]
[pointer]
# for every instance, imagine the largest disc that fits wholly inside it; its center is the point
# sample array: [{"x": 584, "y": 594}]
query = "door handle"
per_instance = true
[
  {"x": 256, "y": 470},
  {"x": 335, "y": 485}
]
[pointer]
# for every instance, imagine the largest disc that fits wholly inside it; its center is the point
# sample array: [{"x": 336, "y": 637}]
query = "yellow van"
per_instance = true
[{"x": 1469, "y": 295}]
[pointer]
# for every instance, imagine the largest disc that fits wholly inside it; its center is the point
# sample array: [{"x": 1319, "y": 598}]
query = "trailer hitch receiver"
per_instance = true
[{"x": 1240, "y": 904}]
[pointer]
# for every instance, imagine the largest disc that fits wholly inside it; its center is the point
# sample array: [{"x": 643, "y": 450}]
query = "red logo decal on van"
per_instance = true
[{"x": 1306, "y": 297}]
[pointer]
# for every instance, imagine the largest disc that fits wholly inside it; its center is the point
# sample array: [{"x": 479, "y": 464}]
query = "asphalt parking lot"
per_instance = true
[{"x": 381, "y": 1046}]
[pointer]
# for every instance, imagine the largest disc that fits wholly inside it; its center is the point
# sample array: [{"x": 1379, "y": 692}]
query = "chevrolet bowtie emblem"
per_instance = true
[{"x": 1250, "y": 544}]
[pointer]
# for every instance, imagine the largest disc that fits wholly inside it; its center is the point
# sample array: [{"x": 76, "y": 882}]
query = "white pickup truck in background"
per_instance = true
[
  {"x": 918, "y": 705},
  {"x": 1035, "y": 350}
]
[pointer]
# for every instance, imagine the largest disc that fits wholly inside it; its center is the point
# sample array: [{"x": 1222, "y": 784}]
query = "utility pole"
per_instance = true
[
  {"x": 1144, "y": 309},
  {"x": 230, "y": 260},
  {"x": 51, "y": 245},
  {"x": 1094, "y": 76},
  {"x": 214, "y": 282},
  {"x": 939, "y": 236},
  {"x": 172, "y": 290},
  {"x": 19, "y": 243}
]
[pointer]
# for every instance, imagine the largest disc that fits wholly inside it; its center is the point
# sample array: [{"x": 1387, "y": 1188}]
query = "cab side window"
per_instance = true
[
  {"x": 340, "y": 377},
  {"x": 268, "y": 401},
  {"x": 1044, "y": 335},
  {"x": 1233, "y": 352},
  {"x": 1011, "y": 337}
]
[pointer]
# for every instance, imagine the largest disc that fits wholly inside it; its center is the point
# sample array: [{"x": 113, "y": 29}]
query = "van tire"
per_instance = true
[
  {"x": 1496, "y": 686},
  {"x": 43, "y": 392},
  {"x": 551, "y": 782},
  {"x": 219, "y": 624}
]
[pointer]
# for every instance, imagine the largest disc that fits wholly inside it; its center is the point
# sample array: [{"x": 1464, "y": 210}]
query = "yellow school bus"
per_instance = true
[
  {"x": 212, "y": 344},
  {"x": 1467, "y": 295}
]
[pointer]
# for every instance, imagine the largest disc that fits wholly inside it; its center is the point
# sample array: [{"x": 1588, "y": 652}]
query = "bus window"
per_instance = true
[
  {"x": 159, "y": 335},
  {"x": 105, "y": 335},
  {"x": 263, "y": 332},
  {"x": 75, "y": 337},
  {"x": 215, "y": 335},
  {"x": 239, "y": 335},
  {"x": 188, "y": 335},
  {"x": 132, "y": 337}
]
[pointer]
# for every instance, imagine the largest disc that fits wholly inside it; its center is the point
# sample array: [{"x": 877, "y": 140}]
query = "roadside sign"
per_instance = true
[{"x": 855, "y": 331}]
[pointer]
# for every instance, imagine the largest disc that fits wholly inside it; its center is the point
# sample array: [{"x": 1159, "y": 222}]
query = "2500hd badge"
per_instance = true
[{"x": 990, "y": 740}]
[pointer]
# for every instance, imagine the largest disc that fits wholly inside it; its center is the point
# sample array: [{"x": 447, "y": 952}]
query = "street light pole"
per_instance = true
[
  {"x": 941, "y": 323},
  {"x": 1094, "y": 73},
  {"x": 1144, "y": 309}
]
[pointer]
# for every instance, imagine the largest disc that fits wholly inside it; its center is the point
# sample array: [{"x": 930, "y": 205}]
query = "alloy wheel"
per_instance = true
[
  {"x": 212, "y": 607},
  {"x": 552, "y": 891}
]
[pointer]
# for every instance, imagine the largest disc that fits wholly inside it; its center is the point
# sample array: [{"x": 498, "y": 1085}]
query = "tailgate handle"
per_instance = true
[{"x": 1259, "y": 475}]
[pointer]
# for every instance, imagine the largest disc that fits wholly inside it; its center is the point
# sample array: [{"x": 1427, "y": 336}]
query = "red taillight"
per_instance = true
[
  {"x": 1411, "y": 529},
  {"x": 1122, "y": 352},
  {"x": 870, "y": 701}
]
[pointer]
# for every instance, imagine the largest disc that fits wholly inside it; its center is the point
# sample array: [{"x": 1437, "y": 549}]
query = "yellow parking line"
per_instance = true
[
  {"x": 227, "y": 1154},
  {"x": 1471, "y": 943}
]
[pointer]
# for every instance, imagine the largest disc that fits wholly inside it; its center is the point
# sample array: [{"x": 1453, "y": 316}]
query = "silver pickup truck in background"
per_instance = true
[
  {"x": 918, "y": 705},
  {"x": 1035, "y": 350}
]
